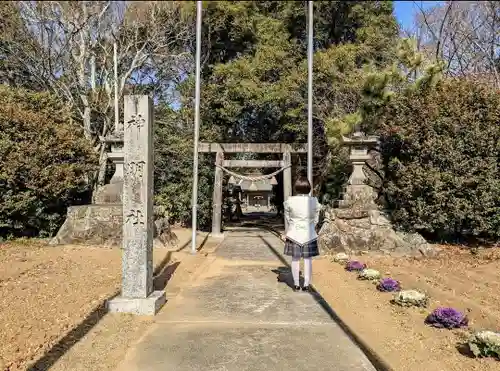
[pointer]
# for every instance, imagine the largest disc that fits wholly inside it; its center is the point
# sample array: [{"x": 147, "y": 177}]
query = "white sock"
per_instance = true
[
  {"x": 296, "y": 271},
  {"x": 307, "y": 271}
]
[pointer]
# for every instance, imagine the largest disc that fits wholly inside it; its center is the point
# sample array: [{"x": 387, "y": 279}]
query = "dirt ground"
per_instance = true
[
  {"x": 52, "y": 305},
  {"x": 466, "y": 281},
  {"x": 53, "y": 297}
]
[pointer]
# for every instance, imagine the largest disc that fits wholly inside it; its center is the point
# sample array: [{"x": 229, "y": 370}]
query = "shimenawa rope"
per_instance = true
[{"x": 252, "y": 178}]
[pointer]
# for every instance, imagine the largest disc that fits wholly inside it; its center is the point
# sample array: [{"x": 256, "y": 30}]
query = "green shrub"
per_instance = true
[
  {"x": 44, "y": 162},
  {"x": 441, "y": 151}
]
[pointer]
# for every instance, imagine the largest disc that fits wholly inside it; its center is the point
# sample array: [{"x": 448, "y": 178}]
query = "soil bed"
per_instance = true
[
  {"x": 46, "y": 292},
  {"x": 457, "y": 278}
]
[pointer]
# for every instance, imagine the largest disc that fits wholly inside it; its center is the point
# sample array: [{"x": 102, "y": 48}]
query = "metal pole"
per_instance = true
[
  {"x": 92, "y": 73},
  {"x": 199, "y": 10},
  {"x": 310, "y": 48},
  {"x": 117, "y": 109}
]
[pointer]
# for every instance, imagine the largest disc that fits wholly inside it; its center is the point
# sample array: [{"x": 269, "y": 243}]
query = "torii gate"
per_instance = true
[
  {"x": 220, "y": 163},
  {"x": 258, "y": 148}
]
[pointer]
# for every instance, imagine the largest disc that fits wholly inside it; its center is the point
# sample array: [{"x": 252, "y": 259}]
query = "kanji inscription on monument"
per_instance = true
[
  {"x": 135, "y": 169},
  {"x": 136, "y": 121},
  {"x": 137, "y": 254},
  {"x": 135, "y": 217}
]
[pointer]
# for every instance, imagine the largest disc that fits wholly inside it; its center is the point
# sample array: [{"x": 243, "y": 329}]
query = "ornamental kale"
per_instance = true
[
  {"x": 355, "y": 265},
  {"x": 341, "y": 257},
  {"x": 409, "y": 298},
  {"x": 447, "y": 318},
  {"x": 485, "y": 344},
  {"x": 388, "y": 285},
  {"x": 369, "y": 274}
]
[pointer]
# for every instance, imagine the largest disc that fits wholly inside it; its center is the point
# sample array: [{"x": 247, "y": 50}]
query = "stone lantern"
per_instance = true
[
  {"x": 357, "y": 226},
  {"x": 357, "y": 192},
  {"x": 116, "y": 155},
  {"x": 112, "y": 193}
]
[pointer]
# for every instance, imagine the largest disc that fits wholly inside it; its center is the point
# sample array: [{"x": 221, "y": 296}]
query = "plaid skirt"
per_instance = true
[{"x": 298, "y": 250}]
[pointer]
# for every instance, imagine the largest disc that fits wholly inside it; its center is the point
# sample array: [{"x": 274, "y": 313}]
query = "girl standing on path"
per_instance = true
[{"x": 301, "y": 240}]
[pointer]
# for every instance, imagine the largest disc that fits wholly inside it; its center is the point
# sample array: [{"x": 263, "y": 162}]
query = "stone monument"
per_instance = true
[
  {"x": 358, "y": 225},
  {"x": 100, "y": 224},
  {"x": 137, "y": 294}
]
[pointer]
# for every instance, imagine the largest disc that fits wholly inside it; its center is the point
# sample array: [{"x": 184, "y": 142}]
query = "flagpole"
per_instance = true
[
  {"x": 117, "y": 108},
  {"x": 199, "y": 10},
  {"x": 310, "y": 48}
]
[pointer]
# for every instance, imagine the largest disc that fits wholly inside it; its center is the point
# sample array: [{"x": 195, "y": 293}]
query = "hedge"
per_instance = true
[
  {"x": 441, "y": 155},
  {"x": 44, "y": 163}
]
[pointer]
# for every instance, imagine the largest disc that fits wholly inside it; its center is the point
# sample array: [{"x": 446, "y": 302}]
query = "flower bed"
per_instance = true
[
  {"x": 481, "y": 344},
  {"x": 388, "y": 328}
]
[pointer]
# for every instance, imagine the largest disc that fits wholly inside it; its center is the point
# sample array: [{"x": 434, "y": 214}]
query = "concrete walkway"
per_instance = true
[{"x": 236, "y": 316}]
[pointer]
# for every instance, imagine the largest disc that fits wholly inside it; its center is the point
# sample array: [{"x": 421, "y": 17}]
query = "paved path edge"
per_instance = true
[
  {"x": 378, "y": 361},
  {"x": 209, "y": 259}
]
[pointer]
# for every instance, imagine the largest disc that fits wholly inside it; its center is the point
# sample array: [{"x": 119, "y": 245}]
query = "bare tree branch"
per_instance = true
[
  {"x": 467, "y": 36},
  {"x": 68, "y": 48}
]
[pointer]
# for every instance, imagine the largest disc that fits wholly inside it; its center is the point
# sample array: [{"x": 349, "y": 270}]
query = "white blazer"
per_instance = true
[{"x": 302, "y": 215}]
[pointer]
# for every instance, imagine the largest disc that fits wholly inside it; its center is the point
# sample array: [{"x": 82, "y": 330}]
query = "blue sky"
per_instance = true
[{"x": 406, "y": 10}]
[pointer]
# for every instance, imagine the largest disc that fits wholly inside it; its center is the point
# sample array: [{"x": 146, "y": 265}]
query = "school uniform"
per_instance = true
[{"x": 302, "y": 215}]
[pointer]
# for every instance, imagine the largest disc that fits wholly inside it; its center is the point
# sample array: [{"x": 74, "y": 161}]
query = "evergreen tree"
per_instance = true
[{"x": 255, "y": 70}]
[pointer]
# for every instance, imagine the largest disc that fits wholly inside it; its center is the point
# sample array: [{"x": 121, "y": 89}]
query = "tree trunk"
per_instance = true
[
  {"x": 103, "y": 162},
  {"x": 87, "y": 123}
]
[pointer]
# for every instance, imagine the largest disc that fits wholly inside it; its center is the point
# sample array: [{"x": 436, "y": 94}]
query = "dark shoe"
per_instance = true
[
  {"x": 306, "y": 288},
  {"x": 296, "y": 288}
]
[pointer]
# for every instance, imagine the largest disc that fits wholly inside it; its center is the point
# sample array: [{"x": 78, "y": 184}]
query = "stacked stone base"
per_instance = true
[
  {"x": 102, "y": 225},
  {"x": 358, "y": 232},
  {"x": 98, "y": 225}
]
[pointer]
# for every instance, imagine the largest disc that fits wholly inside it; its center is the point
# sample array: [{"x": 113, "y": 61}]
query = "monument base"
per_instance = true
[
  {"x": 140, "y": 306},
  {"x": 102, "y": 225},
  {"x": 357, "y": 232},
  {"x": 99, "y": 225},
  {"x": 219, "y": 236}
]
